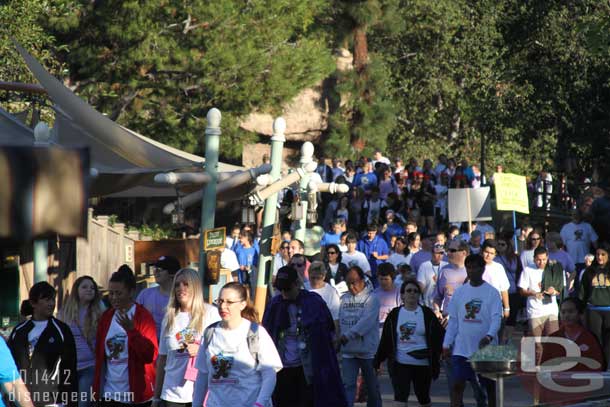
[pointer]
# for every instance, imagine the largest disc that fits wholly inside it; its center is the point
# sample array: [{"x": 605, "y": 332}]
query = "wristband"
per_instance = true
[{"x": 506, "y": 309}]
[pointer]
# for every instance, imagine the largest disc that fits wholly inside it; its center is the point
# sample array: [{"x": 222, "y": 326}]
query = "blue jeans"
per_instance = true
[
  {"x": 478, "y": 389},
  {"x": 85, "y": 381},
  {"x": 350, "y": 368}
]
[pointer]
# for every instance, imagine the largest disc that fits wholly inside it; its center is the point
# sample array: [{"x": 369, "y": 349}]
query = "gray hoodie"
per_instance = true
[{"x": 359, "y": 322}]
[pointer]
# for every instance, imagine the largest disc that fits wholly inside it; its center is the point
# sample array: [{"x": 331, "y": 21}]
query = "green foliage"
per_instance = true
[{"x": 158, "y": 66}]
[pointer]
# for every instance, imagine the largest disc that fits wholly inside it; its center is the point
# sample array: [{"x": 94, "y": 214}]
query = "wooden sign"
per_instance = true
[{"x": 214, "y": 238}]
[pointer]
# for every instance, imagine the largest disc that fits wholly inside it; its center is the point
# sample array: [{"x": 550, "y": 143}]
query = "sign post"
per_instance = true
[{"x": 213, "y": 241}]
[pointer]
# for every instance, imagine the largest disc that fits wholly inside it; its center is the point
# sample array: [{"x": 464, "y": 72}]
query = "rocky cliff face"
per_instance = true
[{"x": 306, "y": 115}]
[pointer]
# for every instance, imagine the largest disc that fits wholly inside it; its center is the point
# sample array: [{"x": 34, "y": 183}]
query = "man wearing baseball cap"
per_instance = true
[{"x": 155, "y": 299}]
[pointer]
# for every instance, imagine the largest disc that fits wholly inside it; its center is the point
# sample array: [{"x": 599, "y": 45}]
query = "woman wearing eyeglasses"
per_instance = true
[
  {"x": 186, "y": 318},
  {"x": 411, "y": 342},
  {"x": 238, "y": 362},
  {"x": 534, "y": 240}
]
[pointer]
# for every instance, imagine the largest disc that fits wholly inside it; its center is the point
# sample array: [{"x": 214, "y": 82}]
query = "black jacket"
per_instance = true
[
  {"x": 434, "y": 339},
  {"x": 50, "y": 373},
  {"x": 341, "y": 273}
]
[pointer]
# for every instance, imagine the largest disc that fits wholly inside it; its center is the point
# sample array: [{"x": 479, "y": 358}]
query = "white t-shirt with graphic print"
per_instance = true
[
  {"x": 116, "y": 382},
  {"x": 233, "y": 378},
  {"x": 175, "y": 387},
  {"x": 410, "y": 336}
]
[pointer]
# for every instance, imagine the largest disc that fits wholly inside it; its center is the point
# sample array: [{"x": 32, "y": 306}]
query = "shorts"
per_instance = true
[{"x": 461, "y": 371}]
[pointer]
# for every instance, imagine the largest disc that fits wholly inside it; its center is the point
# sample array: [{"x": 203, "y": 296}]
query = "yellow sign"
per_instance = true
[{"x": 511, "y": 192}]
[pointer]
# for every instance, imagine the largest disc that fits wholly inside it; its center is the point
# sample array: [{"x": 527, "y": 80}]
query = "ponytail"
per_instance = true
[{"x": 249, "y": 313}]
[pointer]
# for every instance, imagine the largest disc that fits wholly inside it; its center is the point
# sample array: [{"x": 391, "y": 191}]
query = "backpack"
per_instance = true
[{"x": 252, "y": 338}]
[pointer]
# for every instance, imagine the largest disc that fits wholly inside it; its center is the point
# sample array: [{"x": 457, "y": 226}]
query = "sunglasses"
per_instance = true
[
  {"x": 412, "y": 291},
  {"x": 332, "y": 252},
  {"x": 284, "y": 247},
  {"x": 453, "y": 250},
  {"x": 535, "y": 238}
]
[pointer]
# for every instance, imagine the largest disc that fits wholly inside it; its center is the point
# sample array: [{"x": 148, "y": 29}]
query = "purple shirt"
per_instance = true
[
  {"x": 419, "y": 258},
  {"x": 388, "y": 300},
  {"x": 156, "y": 303},
  {"x": 84, "y": 351},
  {"x": 450, "y": 279}
]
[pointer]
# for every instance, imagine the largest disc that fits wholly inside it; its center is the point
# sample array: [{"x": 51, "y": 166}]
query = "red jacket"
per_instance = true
[{"x": 142, "y": 351}]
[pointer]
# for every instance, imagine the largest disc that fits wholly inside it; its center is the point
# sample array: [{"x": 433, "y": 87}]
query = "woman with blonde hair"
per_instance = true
[
  {"x": 82, "y": 311},
  {"x": 185, "y": 320}
]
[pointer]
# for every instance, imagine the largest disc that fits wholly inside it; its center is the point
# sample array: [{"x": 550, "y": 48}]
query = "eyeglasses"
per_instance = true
[
  {"x": 412, "y": 291},
  {"x": 284, "y": 247},
  {"x": 332, "y": 252},
  {"x": 221, "y": 301},
  {"x": 535, "y": 238}
]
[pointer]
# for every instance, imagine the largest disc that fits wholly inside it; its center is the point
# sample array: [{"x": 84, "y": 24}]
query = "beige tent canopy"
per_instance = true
[{"x": 125, "y": 161}]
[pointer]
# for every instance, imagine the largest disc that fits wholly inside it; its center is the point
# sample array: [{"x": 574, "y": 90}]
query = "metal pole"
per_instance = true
[
  {"x": 307, "y": 150},
  {"x": 208, "y": 203},
  {"x": 269, "y": 215},
  {"x": 483, "y": 179},
  {"x": 42, "y": 136}
]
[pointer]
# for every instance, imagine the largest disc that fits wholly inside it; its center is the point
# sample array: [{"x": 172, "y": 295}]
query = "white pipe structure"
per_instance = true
[
  {"x": 233, "y": 181},
  {"x": 331, "y": 187},
  {"x": 259, "y": 197},
  {"x": 173, "y": 178}
]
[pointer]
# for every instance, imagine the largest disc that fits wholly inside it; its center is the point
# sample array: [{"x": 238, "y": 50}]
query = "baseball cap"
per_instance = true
[
  {"x": 286, "y": 276},
  {"x": 438, "y": 248},
  {"x": 169, "y": 263}
]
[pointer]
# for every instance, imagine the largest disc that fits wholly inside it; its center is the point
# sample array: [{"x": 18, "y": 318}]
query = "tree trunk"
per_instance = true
[
  {"x": 361, "y": 50},
  {"x": 361, "y": 57}
]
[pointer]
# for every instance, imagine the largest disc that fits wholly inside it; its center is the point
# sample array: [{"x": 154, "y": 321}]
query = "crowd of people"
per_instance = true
[{"x": 382, "y": 282}]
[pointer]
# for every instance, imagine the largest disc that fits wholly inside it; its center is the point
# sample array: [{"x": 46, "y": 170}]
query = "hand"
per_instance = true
[
  {"x": 446, "y": 353},
  {"x": 375, "y": 255},
  {"x": 445, "y": 322},
  {"x": 343, "y": 340},
  {"x": 192, "y": 349},
  {"x": 123, "y": 319},
  {"x": 485, "y": 341},
  {"x": 438, "y": 314},
  {"x": 506, "y": 314},
  {"x": 551, "y": 291}
]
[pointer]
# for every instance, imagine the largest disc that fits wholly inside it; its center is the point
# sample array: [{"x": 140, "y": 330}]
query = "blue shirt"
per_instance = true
[
  {"x": 247, "y": 257},
  {"x": 365, "y": 181},
  {"x": 330, "y": 238},
  {"x": 394, "y": 229},
  {"x": 8, "y": 369},
  {"x": 367, "y": 247}
]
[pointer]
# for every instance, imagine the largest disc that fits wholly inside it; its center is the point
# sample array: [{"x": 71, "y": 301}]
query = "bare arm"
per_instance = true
[{"x": 17, "y": 392}]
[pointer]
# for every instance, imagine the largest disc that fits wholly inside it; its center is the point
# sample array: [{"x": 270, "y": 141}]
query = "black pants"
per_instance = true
[
  {"x": 112, "y": 403},
  {"x": 403, "y": 375},
  {"x": 291, "y": 389},
  {"x": 172, "y": 404}
]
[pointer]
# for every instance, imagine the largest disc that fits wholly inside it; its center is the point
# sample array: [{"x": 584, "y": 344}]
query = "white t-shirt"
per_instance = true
[
  {"x": 411, "y": 335},
  {"x": 233, "y": 378},
  {"x": 531, "y": 279},
  {"x": 496, "y": 276},
  {"x": 34, "y": 334},
  {"x": 356, "y": 259},
  {"x": 397, "y": 259},
  {"x": 116, "y": 381},
  {"x": 228, "y": 260},
  {"x": 331, "y": 297},
  {"x": 428, "y": 275},
  {"x": 473, "y": 313},
  {"x": 578, "y": 238},
  {"x": 175, "y": 388}
]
